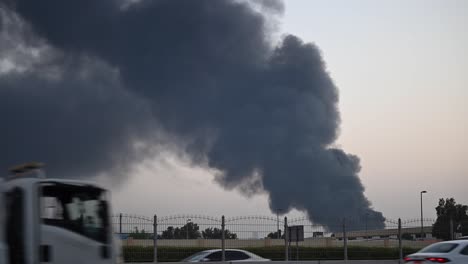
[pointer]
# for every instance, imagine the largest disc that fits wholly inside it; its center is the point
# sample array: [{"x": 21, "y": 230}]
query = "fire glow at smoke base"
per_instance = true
[{"x": 203, "y": 71}]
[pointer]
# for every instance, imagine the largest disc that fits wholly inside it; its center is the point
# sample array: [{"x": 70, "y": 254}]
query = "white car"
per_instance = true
[
  {"x": 232, "y": 255},
  {"x": 452, "y": 252}
]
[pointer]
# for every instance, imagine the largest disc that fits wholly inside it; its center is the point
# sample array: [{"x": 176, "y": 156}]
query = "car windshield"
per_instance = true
[
  {"x": 195, "y": 257},
  {"x": 79, "y": 208},
  {"x": 439, "y": 248}
]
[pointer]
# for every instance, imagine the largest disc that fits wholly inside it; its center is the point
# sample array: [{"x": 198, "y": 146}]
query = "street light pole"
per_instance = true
[{"x": 422, "y": 223}]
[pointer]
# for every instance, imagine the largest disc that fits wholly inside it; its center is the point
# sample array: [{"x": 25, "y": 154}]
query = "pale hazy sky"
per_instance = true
[{"x": 402, "y": 71}]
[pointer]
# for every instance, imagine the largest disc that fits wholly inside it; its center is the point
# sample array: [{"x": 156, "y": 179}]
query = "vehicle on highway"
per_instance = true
[
  {"x": 44, "y": 220},
  {"x": 452, "y": 252},
  {"x": 232, "y": 255}
]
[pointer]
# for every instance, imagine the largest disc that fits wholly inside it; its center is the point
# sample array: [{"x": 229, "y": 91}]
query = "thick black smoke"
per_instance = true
[{"x": 204, "y": 71}]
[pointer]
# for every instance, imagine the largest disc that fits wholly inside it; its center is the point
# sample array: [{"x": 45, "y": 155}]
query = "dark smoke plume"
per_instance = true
[{"x": 206, "y": 72}]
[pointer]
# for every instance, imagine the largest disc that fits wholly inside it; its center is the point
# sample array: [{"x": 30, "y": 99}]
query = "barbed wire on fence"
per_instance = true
[{"x": 127, "y": 223}]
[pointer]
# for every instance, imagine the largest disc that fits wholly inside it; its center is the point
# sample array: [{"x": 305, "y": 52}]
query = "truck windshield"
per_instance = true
[{"x": 78, "y": 208}]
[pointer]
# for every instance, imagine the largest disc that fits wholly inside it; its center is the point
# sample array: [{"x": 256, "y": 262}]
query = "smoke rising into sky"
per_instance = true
[{"x": 88, "y": 86}]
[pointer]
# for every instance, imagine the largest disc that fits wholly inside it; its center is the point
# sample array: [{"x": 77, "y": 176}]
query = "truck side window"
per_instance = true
[
  {"x": 51, "y": 208},
  {"x": 15, "y": 225}
]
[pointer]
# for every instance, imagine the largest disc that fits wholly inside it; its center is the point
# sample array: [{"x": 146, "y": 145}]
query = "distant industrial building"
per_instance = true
[{"x": 415, "y": 232}]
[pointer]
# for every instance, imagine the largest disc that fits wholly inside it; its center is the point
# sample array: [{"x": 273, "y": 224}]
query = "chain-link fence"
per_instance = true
[{"x": 277, "y": 238}]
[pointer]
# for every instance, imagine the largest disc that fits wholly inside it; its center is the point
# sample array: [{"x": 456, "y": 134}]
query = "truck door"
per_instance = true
[
  {"x": 3, "y": 246},
  {"x": 74, "y": 225},
  {"x": 14, "y": 226}
]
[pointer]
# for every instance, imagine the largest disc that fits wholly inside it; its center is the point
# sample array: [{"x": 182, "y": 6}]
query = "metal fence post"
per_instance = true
[
  {"x": 400, "y": 245},
  {"x": 155, "y": 239},
  {"x": 297, "y": 244},
  {"x": 223, "y": 239},
  {"x": 120, "y": 223},
  {"x": 286, "y": 237},
  {"x": 345, "y": 241},
  {"x": 451, "y": 228}
]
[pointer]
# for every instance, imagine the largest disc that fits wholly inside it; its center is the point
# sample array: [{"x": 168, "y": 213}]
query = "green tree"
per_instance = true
[
  {"x": 275, "y": 234},
  {"x": 215, "y": 233},
  {"x": 188, "y": 231},
  {"x": 449, "y": 211},
  {"x": 169, "y": 233}
]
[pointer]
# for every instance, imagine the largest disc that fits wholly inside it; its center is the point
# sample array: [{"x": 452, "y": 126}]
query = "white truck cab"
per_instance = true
[
  {"x": 53, "y": 220},
  {"x": 3, "y": 247}
]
